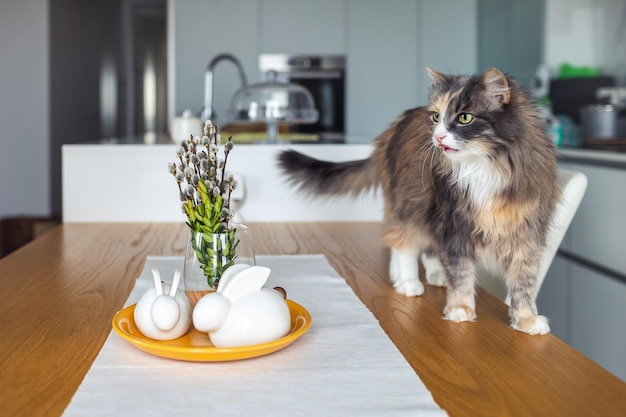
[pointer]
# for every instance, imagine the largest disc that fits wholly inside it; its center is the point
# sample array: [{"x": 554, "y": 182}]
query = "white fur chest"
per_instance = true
[{"x": 479, "y": 178}]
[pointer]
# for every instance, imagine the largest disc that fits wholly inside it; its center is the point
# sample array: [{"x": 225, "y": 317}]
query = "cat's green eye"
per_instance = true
[
  {"x": 465, "y": 118},
  {"x": 436, "y": 117}
]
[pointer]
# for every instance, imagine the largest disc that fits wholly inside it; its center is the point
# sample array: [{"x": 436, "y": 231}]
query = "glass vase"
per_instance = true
[{"x": 208, "y": 255}]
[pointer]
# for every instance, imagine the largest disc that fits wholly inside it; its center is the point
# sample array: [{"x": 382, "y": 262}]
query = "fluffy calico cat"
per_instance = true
[{"x": 471, "y": 176}]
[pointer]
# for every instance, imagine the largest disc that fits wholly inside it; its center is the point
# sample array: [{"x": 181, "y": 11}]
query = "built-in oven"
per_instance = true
[{"x": 325, "y": 77}]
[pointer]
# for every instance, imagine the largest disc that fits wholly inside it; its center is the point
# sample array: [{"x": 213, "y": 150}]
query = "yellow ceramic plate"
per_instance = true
[{"x": 196, "y": 346}]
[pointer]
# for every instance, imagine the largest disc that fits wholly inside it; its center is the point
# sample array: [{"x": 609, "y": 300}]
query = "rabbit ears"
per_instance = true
[{"x": 242, "y": 279}]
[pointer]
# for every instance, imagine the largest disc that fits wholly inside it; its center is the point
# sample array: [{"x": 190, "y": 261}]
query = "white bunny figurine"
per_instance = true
[
  {"x": 242, "y": 311},
  {"x": 161, "y": 313}
]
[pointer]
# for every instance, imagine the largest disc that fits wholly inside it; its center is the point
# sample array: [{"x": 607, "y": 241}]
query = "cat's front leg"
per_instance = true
[
  {"x": 523, "y": 293},
  {"x": 404, "y": 272},
  {"x": 460, "y": 297}
]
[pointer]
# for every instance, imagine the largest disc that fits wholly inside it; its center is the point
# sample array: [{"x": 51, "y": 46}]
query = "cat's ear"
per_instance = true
[
  {"x": 497, "y": 89},
  {"x": 436, "y": 76}
]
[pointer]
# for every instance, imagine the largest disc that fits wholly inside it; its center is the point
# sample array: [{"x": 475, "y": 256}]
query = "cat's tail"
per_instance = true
[{"x": 317, "y": 177}]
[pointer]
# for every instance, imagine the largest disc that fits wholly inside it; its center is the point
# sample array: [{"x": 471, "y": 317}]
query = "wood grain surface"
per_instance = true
[{"x": 59, "y": 293}]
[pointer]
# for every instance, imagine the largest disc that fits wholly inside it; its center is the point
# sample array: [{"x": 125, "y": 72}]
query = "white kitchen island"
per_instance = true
[{"x": 131, "y": 183}]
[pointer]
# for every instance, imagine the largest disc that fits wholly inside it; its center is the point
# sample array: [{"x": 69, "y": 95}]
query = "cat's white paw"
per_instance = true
[
  {"x": 437, "y": 278},
  {"x": 435, "y": 274},
  {"x": 410, "y": 288},
  {"x": 459, "y": 314},
  {"x": 404, "y": 273},
  {"x": 535, "y": 325}
]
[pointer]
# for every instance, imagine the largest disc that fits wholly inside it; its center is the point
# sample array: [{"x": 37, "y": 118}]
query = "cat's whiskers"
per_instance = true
[
  {"x": 427, "y": 149},
  {"x": 433, "y": 154}
]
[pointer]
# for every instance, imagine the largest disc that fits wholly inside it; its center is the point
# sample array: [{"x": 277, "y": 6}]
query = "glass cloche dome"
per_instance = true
[{"x": 271, "y": 102}]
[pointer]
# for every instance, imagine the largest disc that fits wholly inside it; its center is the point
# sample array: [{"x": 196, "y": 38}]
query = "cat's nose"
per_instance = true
[{"x": 439, "y": 137}]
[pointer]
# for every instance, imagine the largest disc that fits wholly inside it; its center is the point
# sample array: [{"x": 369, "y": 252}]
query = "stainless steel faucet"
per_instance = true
[{"x": 207, "y": 112}]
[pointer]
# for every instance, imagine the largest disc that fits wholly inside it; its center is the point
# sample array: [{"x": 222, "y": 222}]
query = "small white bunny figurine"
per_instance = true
[
  {"x": 161, "y": 313},
  {"x": 242, "y": 311}
]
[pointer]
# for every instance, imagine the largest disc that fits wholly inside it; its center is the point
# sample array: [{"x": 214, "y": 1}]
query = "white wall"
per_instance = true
[
  {"x": 448, "y": 36},
  {"x": 383, "y": 65},
  {"x": 586, "y": 33},
  {"x": 511, "y": 37},
  {"x": 387, "y": 45},
  {"x": 24, "y": 136}
]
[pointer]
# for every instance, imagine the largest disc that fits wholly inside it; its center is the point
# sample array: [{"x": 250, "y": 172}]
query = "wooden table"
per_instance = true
[{"x": 59, "y": 293}]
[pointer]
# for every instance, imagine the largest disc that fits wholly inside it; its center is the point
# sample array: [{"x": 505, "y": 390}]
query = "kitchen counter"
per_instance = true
[
  {"x": 598, "y": 157},
  {"x": 251, "y": 138},
  {"x": 264, "y": 195},
  {"x": 589, "y": 155}
]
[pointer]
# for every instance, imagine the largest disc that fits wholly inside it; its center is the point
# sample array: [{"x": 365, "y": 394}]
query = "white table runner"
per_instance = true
[{"x": 344, "y": 365}]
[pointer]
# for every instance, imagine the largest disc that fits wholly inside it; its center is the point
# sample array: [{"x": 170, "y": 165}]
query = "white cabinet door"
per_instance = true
[
  {"x": 598, "y": 314},
  {"x": 511, "y": 36},
  {"x": 448, "y": 38},
  {"x": 383, "y": 63},
  {"x": 302, "y": 26},
  {"x": 390, "y": 44},
  {"x": 598, "y": 231},
  {"x": 203, "y": 29}
]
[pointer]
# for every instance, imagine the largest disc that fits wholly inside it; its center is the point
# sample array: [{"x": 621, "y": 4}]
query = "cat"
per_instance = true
[{"x": 470, "y": 176}]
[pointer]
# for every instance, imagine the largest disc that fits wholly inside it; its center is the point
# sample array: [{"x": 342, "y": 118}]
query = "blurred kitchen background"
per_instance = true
[{"x": 76, "y": 71}]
